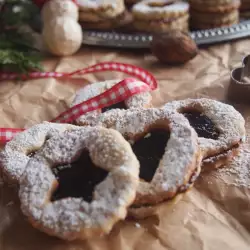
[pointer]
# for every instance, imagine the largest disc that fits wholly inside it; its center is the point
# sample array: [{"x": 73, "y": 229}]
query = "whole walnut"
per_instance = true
[{"x": 174, "y": 47}]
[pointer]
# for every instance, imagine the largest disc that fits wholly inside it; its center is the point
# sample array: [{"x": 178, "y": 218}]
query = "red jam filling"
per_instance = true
[
  {"x": 149, "y": 151},
  {"x": 78, "y": 179},
  {"x": 203, "y": 125}
]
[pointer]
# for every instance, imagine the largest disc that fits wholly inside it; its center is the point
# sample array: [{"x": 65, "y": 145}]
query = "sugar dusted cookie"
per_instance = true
[
  {"x": 17, "y": 152},
  {"x": 80, "y": 183},
  {"x": 221, "y": 128},
  {"x": 101, "y": 14},
  {"x": 142, "y": 100},
  {"x": 167, "y": 149},
  {"x": 160, "y": 15}
]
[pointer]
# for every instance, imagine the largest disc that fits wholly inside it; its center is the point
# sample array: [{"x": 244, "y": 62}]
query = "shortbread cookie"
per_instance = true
[
  {"x": 120, "y": 21},
  {"x": 142, "y": 100},
  {"x": 219, "y": 126},
  {"x": 166, "y": 147},
  {"x": 160, "y": 15},
  {"x": 17, "y": 152},
  {"x": 213, "y": 20},
  {"x": 212, "y": 14},
  {"x": 97, "y": 12},
  {"x": 89, "y": 202},
  {"x": 215, "y": 6}
]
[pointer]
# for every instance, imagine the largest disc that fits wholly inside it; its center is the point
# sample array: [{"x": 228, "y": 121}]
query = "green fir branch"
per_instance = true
[{"x": 17, "y": 53}]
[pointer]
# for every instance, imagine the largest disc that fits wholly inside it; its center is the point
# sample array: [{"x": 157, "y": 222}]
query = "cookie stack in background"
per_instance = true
[
  {"x": 103, "y": 15},
  {"x": 245, "y": 9},
  {"x": 160, "y": 15},
  {"x": 213, "y": 13}
]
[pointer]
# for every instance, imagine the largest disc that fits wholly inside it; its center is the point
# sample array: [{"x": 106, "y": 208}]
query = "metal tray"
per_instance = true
[{"x": 202, "y": 37}]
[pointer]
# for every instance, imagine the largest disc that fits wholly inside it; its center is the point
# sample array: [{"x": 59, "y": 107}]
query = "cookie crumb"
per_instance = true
[{"x": 137, "y": 225}]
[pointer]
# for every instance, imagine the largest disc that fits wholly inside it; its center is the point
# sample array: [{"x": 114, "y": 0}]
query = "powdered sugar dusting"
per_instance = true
[
  {"x": 73, "y": 218},
  {"x": 101, "y": 8},
  {"x": 150, "y": 6},
  {"x": 14, "y": 156},
  {"x": 239, "y": 169},
  {"x": 141, "y": 100},
  {"x": 227, "y": 120},
  {"x": 180, "y": 158}
]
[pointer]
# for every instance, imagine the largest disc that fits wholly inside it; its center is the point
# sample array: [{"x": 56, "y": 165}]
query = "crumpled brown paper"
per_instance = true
[{"x": 214, "y": 215}]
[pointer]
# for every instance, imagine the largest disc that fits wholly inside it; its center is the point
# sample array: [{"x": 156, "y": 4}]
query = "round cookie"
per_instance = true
[
  {"x": 221, "y": 6},
  {"x": 106, "y": 158},
  {"x": 101, "y": 14},
  {"x": 160, "y": 15},
  {"x": 121, "y": 21},
  {"x": 166, "y": 147},
  {"x": 219, "y": 126},
  {"x": 142, "y": 100},
  {"x": 213, "y": 14},
  {"x": 213, "y": 20},
  {"x": 16, "y": 153}
]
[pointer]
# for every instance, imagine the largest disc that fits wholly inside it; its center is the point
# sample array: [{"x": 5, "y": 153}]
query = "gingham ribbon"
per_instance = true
[{"x": 119, "y": 92}]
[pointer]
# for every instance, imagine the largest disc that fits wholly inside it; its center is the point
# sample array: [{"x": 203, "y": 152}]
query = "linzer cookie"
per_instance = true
[
  {"x": 221, "y": 129},
  {"x": 16, "y": 154},
  {"x": 160, "y": 15},
  {"x": 212, "y": 14},
  {"x": 102, "y": 14},
  {"x": 141, "y": 100},
  {"x": 80, "y": 183},
  {"x": 167, "y": 149}
]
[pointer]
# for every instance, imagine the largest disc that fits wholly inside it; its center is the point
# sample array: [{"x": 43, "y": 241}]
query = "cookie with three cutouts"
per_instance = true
[
  {"x": 220, "y": 127},
  {"x": 141, "y": 100},
  {"x": 16, "y": 153},
  {"x": 80, "y": 183}
]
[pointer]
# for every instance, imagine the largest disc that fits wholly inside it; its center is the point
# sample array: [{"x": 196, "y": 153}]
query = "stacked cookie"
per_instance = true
[
  {"x": 77, "y": 182},
  {"x": 103, "y": 14},
  {"x": 160, "y": 15},
  {"x": 212, "y": 14}
]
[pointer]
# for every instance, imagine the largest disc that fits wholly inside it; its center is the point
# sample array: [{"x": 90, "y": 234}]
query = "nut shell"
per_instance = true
[
  {"x": 62, "y": 36},
  {"x": 175, "y": 47},
  {"x": 55, "y": 8}
]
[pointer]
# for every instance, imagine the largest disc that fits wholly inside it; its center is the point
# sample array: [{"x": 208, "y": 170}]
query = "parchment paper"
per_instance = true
[{"x": 214, "y": 215}]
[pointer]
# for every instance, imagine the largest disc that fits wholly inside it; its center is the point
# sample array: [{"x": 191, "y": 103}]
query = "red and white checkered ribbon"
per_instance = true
[{"x": 119, "y": 92}]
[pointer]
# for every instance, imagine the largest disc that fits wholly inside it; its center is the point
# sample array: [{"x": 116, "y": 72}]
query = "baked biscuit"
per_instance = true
[
  {"x": 167, "y": 149},
  {"x": 16, "y": 153},
  {"x": 212, "y": 14},
  {"x": 221, "y": 129},
  {"x": 102, "y": 14},
  {"x": 142, "y": 100},
  {"x": 88, "y": 201},
  {"x": 160, "y": 15}
]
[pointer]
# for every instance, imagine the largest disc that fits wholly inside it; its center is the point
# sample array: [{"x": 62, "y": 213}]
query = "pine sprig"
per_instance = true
[
  {"x": 17, "y": 53},
  {"x": 20, "y": 62}
]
